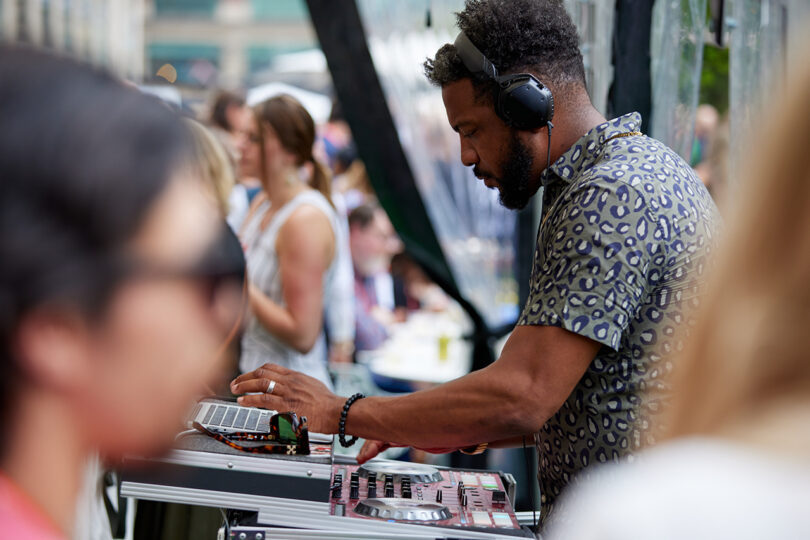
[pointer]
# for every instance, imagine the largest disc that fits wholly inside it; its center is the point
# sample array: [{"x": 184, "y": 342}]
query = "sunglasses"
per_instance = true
[
  {"x": 288, "y": 435},
  {"x": 221, "y": 264},
  {"x": 219, "y": 273}
]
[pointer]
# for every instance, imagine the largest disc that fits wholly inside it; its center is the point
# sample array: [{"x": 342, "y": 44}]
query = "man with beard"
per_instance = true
[{"x": 625, "y": 231}]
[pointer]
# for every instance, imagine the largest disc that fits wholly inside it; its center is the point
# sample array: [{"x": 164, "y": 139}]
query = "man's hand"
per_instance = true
[
  {"x": 294, "y": 392},
  {"x": 372, "y": 448}
]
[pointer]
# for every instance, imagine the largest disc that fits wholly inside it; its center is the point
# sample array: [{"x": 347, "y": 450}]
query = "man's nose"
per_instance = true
[{"x": 469, "y": 156}]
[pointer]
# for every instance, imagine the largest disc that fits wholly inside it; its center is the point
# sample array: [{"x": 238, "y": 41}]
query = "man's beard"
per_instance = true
[{"x": 516, "y": 175}]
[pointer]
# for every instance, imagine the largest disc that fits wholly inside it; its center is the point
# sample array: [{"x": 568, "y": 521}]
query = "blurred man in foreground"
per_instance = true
[{"x": 115, "y": 303}]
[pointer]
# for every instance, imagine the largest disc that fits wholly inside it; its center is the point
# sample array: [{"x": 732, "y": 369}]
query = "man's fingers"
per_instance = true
[
  {"x": 276, "y": 369},
  {"x": 265, "y": 401},
  {"x": 371, "y": 449},
  {"x": 267, "y": 371},
  {"x": 258, "y": 385}
]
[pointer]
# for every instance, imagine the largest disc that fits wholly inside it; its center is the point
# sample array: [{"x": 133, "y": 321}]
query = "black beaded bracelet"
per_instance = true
[{"x": 343, "y": 414}]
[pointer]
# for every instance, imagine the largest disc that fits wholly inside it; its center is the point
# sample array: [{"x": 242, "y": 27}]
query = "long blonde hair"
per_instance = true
[
  {"x": 213, "y": 164},
  {"x": 750, "y": 351}
]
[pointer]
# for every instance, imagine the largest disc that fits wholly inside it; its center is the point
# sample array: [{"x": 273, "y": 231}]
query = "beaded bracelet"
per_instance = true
[{"x": 343, "y": 414}]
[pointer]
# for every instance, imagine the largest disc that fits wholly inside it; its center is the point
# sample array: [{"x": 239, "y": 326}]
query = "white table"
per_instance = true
[{"x": 428, "y": 348}]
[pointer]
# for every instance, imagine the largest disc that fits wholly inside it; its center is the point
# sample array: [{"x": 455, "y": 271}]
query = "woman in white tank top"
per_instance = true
[{"x": 289, "y": 240}]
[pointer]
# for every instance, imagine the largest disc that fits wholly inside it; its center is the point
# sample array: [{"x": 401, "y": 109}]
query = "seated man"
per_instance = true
[{"x": 372, "y": 241}]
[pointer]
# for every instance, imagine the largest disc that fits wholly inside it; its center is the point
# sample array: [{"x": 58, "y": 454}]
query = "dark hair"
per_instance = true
[
  {"x": 296, "y": 131},
  {"x": 515, "y": 35},
  {"x": 83, "y": 158},
  {"x": 219, "y": 109},
  {"x": 363, "y": 215}
]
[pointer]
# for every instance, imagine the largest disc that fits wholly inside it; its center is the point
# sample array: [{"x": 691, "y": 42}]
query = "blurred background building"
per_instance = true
[
  {"x": 103, "y": 32},
  {"x": 232, "y": 43}
]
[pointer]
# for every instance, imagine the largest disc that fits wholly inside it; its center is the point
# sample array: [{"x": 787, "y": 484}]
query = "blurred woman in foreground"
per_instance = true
[
  {"x": 114, "y": 297},
  {"x": 289, "y": 239},
  {"x": 736, "y": 463}
]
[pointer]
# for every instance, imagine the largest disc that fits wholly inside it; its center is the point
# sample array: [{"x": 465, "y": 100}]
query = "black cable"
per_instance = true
[
  {"x": 548, "y": 155},
  {"x": 530, "y": 485}
]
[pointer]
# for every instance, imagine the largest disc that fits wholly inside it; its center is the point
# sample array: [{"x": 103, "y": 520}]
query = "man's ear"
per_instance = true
[{"x": 52, "y": 347}]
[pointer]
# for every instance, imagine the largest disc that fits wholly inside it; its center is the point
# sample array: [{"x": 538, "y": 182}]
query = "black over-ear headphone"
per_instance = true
[{"x": 523, "y": 102}]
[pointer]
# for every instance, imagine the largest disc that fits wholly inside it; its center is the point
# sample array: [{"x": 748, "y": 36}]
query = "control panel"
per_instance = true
[{"x": 415, "y": 493}]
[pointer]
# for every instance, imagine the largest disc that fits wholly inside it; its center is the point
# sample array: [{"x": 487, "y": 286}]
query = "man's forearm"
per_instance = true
[
  {"x": 537, "y": 371},
  {"x": 483, "y": 406}
]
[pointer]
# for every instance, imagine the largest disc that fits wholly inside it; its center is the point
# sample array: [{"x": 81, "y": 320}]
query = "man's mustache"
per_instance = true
[{"x": 480, "y": 173}]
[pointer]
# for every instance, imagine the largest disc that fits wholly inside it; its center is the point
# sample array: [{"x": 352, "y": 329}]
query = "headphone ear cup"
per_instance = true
[{"x": 524, "y": 102}]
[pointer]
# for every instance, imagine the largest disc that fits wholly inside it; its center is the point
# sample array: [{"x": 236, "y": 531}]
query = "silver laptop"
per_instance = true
[
  {"x": 230, "y": 417},
  {"x": 227, "y": 417}
]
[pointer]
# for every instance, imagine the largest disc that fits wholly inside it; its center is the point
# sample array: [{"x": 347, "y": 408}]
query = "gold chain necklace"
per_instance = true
[{"x": 618, "y": 135}]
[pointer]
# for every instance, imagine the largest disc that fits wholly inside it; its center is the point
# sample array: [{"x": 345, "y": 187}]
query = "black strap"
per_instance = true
[{"x": 117, "y": 517}]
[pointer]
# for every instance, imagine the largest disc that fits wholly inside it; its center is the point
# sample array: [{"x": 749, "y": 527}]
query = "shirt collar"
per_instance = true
[{"x": 587, "y": 149}]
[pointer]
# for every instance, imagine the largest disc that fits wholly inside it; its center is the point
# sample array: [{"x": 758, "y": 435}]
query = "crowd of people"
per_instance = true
[{"x": 658, "y": 365}]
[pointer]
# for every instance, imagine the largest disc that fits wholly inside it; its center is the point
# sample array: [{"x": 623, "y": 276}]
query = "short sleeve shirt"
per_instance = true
[{"x": 625, "y": 237}]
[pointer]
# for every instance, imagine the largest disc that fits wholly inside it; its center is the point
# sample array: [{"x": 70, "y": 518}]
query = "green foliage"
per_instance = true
[{"x": 714, "y": 78}]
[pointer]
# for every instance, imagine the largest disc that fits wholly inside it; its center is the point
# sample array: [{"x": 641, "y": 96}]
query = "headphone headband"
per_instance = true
[{"x": 474, "y": 59}]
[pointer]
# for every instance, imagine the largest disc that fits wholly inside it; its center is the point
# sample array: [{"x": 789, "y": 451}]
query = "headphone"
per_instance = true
[{"x": 523, "y": 102}]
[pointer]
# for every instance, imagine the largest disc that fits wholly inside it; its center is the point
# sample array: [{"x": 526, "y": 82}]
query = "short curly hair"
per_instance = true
[{"x": 515, "y": 35}]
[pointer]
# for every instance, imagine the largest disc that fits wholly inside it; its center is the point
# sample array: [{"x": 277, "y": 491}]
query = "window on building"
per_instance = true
[
  {"x": 291, "y": 10},
  {"x": 185, "y": 7},
  {"x": 261, "y": 57},
  {"x": 196, "y": 64}
]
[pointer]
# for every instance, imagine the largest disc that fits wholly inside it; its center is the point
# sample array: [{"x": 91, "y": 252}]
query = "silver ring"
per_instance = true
[{"x": 270, "y": 387}]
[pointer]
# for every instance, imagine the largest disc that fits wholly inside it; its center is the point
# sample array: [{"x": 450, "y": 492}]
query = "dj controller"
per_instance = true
[
  {"x": 414, "y": 493},
  {"x": 323, "y": 495},
  {"x": 396, "y": 500}
]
